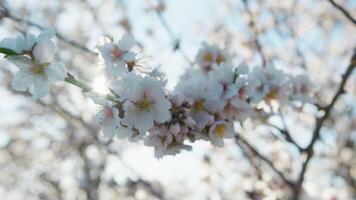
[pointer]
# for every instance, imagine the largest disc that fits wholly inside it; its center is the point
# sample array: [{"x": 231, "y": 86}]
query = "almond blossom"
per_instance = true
[
  {"x": 220, "y": 130},
  {"x": 35, "y": 60},
  {"x": 118, "y": 57},
  {"x": 206, "y": 102},
  {"x": 146, "y": 103}
]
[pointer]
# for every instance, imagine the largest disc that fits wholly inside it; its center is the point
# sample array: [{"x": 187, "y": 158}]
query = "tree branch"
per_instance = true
[
  {"x": 344, "y": 11},
  {"x": 176, "y": 41},
  {"x": 255, "y": 33},
  {"x": 319, "y": 125},
  {"x": 239, "y": 139},
  {"x": 5, "y": 13}
]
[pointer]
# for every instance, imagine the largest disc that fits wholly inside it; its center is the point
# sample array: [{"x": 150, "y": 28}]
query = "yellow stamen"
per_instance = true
[
  {"x": 198, "y": 105},
  {"x": 220, "y": 130},
  {"x": 220, "y": 59},
  {"x": 37, "y": 69},
  {"x": 273, "y": 94},
  {"x": 144, "y": 104},
  {"x": 208, "y": 57}
]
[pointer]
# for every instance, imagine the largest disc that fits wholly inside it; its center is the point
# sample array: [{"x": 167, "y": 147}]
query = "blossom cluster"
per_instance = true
[{"x": 208, "y": 100}]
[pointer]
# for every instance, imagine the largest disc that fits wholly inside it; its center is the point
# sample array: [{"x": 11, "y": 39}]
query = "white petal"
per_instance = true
[
  {"x": 21, "y": 62},
  {"x": 216, "y": 140},
  {"x": 242, "y": 69},
  {"x": 44, "y": 51},
  {"x": 9, "y": 43},
  {"x": 123, "y": 133},
  {"x": 109, "y": 128},
  {"x": 47, "y": 33},
  {"x": 129, "y": 56},
  {"x": 40, "y": 88},
  {"x": 22, "y": 80},
  {"x": 21, "y": 44},
  {"x": 126, "y": 43},
  {"x": 56, "y": 71},
  {"x": 161, "y": 111},
  {"x": 30, "y": 41}
]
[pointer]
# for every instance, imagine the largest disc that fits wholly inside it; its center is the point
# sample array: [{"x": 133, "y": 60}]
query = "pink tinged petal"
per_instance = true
[
  {"x": 56, "y": 71},
  {"x": 22, "y": 62},
  {"x": 174, "y": 129},
  {"x": 202, "y": 119},
  {"x": 216, "y": 140},
  {"x": 169, "y": 140},
  {"x": 109, "y": 128},
  {"x": 126, "y": 43},
  {"x": 44, "y": 51},
  {"x": 22, "y": 80},
  {"x": 189, "y": 122},
  {"x": 40, "y": 88}
]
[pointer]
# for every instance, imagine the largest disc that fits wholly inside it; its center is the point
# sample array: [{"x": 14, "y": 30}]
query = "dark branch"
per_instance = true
[
  {"x": 240, "y": 140},
  {"x": 319, "y": 125},
  {"x": 176, "y": 41},
  {"x": 254, "y": 30},
  {"x": 344, "y": 11}
]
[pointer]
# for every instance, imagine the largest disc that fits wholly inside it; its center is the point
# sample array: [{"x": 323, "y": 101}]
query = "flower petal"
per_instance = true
[
  {"x": 48, "y": 33},
  {"x": 56, "y": 71},
  {"x": 109, "y": 128},
  {"x": 22, "y": 62},
  {"x": 44, "y": 51},
  {"x": 126, "y": 42},
  {"x": 161, "y": 111},
  {"x": 22, "y": 80},
  {"x": 40, "y": 88}
]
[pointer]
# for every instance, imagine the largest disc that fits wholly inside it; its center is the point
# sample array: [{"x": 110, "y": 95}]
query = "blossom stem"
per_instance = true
[{"x": 72, "y": 80}]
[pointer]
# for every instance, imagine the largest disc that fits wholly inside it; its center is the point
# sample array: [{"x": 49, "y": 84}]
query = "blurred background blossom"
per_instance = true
[{"x": 53, "y": 149}]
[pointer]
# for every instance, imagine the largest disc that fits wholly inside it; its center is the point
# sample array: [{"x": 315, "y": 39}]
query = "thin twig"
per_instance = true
[
  {"x": 239, "y": 139},
  {"x": 5, "y": 13},
  {"x": 175, "y": 40},
  {"x": 255, "y": 33},
  {"x": 344, "y": 11},
  {"x": 319, "y": 125}
]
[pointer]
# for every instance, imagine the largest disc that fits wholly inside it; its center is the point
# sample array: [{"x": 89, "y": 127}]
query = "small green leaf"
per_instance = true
[{"x": 7, "y": 52}]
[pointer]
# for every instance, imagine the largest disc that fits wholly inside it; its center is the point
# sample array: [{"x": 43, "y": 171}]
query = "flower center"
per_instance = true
[
  {"x": 144, "y": 104},
  {"x": 198, "y": 105},
  {"x": 220, "y": 59},
  {"x": 208, "y": 57},
  {"x": 220, "y": 130},
  {"x": 108, "y": 113},
  {"x": 37, "y": 69},
  {"x": 273, "y": 94},
  {"x": 116, "y": 53}
]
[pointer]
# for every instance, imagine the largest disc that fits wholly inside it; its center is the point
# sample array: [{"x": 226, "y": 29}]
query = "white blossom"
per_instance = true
[
  {"x": 145, "y": 104},
  {"x": 208, "y": 55},
  {"x": 164, "y": 143},
  {"x": 21, "y": 45},
  {"x": 220, "y": 130},
  {"x": 36, "y": 76},
  {"x": 118, "y": 56}
]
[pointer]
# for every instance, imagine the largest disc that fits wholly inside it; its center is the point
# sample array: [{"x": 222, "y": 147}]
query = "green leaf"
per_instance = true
[{"x": 7, "y": 52}]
